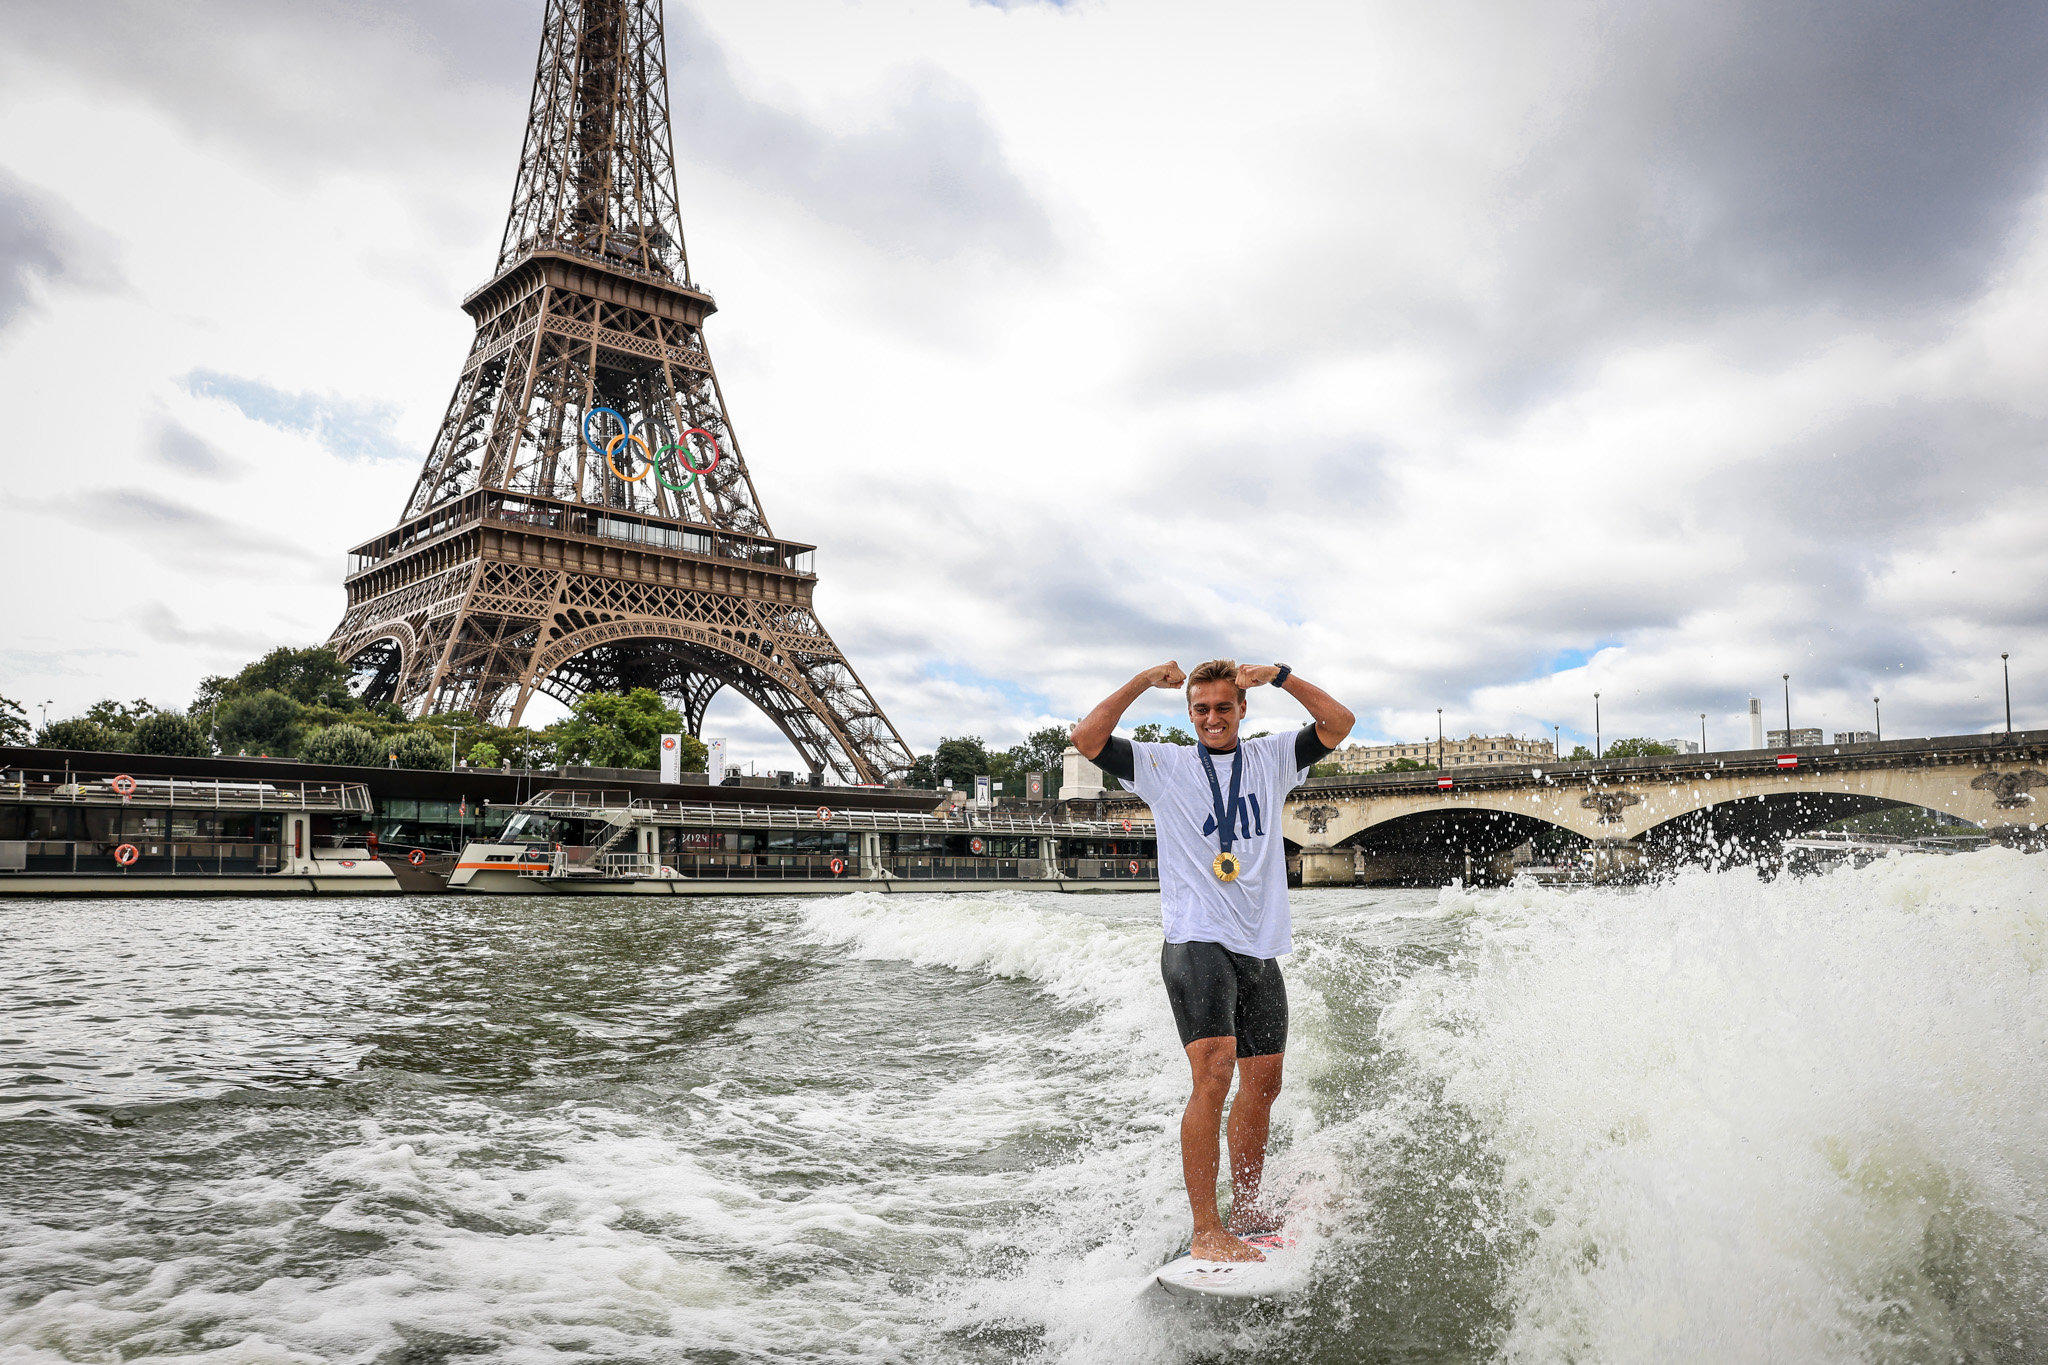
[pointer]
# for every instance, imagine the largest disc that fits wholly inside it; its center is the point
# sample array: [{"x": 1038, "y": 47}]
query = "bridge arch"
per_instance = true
[
  {"x": 689, "y": 663},
  {"x": 380, "y": 662},
  {"x": 1749, "y": 828}
]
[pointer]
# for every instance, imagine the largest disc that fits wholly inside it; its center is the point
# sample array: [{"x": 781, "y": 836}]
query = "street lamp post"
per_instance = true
[
  {"x": 1878, "y": 712},
  {"x": 2004, "y": 663},
  {"x": 454, "y": 744},
  {"x": 1596, "y": 725},
  {"x": 1557, "y": 744},
  {"x": 1439, "y": 739},
  {"x": 1703, "y": 732},
  {"x": 1788, "y": 710}
]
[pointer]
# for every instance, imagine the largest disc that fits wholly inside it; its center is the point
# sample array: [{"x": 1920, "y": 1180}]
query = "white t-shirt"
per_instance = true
[{"x": 1248, "y": 915}]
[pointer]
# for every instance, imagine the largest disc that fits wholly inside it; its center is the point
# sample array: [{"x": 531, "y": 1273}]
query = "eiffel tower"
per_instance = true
[{"x": 585, "y": 520}]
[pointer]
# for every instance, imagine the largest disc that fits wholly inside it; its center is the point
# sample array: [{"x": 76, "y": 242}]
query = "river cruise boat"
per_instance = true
[
  {"x": 112, "y": 834},
  {"x": 614, "y": 843}
]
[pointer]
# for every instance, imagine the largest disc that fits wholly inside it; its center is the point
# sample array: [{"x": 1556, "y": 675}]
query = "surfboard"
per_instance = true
[{"x": 1285, "y": 1271}]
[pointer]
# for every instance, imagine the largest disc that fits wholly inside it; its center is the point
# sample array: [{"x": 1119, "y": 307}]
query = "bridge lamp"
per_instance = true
[
  {"x": 1439, "y": 739},
  {"x": 1703, "y": 732},
  {"x": 2004, "y": 662},
  {"x": 1788, "y": 709},
  {"x": 1878, "y": 712},
  {"x": 1596, "y": 725}
]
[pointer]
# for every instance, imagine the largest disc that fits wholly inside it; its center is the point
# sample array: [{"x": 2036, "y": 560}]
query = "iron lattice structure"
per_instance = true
[{"x": 526, "y": 560}]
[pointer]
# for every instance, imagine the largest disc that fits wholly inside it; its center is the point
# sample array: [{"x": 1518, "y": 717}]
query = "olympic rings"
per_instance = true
[
  {"x": 126, "y": 854},
  {"x": 612, "y": 446},
  {"x": 685, "y": 452}
]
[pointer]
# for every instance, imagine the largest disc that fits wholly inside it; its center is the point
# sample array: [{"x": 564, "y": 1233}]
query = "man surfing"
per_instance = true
[{"x": 1223, "y": 894}]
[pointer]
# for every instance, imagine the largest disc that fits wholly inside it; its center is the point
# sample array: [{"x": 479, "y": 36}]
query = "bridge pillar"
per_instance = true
[{"x": 1328, "y": 867}]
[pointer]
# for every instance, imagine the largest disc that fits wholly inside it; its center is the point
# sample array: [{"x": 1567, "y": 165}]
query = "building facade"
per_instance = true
[
  {"x": 1801, "y": 736},
  {"x": 1474, "y": 751}
]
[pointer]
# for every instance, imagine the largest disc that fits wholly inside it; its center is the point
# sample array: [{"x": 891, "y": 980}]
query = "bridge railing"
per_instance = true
[{"x": 2022, "y": 744}]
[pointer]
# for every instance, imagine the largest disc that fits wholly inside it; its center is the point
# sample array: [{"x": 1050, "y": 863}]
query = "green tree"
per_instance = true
[
  {"x": 265, "y": 722},
  {"x": 1161, "y": 734},
  {"x": 82, "y": 734},
  {"x": 13, "y": 722},
  {"x": 483, "y": 754},
  {"x": 345, "y": 745},
  {"x": 119, "y": 717},
  {"x": 1403, "y": 765},
  {"x": 1329, "y": 767},
  {"x": 420, "y": 749},
  {"x": 962, "y": 759},
  {"x": 606, "y": 730},
  {"x": 1638, "y": 748},
  {"x": 170, "y": 732},
  {"x": 1579, "y": 754},
  {"x": 310, "y": 677},
  {"x": 523, "y": 747}
]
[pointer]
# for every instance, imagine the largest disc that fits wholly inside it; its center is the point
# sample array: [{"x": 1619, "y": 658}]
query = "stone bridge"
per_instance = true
[{"x": 1693, "y": 807}]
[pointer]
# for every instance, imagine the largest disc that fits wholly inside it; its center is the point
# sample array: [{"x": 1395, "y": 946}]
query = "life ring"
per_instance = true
[
  {"x": 417, "y": 857},
  {"x": 825, "y": 813},
  {"x": 1134, "y": 867},
  {"x": 838, "y": 866},
  {"x": 1127, "y": 827},
  {"x": 975, "y": 845},
  {"x": 123, "y": 784},
  {"x": 126, "y": 854}
]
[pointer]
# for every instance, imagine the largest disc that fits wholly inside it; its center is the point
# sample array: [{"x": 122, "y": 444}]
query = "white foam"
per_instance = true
[
  {"x": 1071, "y": 1264},
  {"x": 1796, "y": 1120}
]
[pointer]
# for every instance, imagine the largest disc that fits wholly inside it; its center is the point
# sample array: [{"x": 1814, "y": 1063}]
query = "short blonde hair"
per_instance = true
[{"x": 1216, "y": 670}]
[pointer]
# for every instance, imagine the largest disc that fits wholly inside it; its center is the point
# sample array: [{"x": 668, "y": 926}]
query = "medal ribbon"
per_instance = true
[{"x": 1226, "y": 816}]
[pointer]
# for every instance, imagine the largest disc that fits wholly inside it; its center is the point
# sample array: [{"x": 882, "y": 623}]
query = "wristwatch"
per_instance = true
[{"x": 1280, "y": 678}]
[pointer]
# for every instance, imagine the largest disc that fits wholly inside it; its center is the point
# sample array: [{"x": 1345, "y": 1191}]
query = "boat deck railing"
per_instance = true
[
  {"x": 659, "y": 812},
  {"x": 836, "y": 867},
  {"x": 115, "y": 789}
]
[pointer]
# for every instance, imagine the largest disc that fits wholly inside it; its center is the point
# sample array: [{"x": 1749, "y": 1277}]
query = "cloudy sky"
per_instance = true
[{"x": 1472, "y": 355}]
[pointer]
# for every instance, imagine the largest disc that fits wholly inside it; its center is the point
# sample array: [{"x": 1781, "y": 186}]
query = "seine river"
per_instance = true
[{"x": 1715, "y": 1119}]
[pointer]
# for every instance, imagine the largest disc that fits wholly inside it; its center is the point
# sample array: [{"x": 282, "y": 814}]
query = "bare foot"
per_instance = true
[{"x": 1218, "y": 1245}]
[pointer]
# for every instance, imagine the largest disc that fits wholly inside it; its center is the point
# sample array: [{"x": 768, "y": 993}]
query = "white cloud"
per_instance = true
[{"x": 1468, "y": 356}]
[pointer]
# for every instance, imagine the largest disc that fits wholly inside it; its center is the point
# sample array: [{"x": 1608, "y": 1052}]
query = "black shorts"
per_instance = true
[{"x": 1220, "y": 994}]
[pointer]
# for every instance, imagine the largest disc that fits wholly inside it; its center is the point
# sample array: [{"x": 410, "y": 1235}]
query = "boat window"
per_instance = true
[{"x": 535, "y": 828}]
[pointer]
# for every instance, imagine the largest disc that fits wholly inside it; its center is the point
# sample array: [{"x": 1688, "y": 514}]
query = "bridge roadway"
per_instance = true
[{"x": 1714, "y": 807}]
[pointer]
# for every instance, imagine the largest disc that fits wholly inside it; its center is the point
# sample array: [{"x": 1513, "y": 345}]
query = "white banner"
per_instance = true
[
  {"x": 981, "y": 791},
  {"x": 717, "y": 764},
  {"x": 671, "y": 758}
]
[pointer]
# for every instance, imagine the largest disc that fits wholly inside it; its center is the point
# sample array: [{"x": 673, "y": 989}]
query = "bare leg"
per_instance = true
[
  {"x": 1212, "y": 1060},
  {"x": 1258, "y": 1084}
]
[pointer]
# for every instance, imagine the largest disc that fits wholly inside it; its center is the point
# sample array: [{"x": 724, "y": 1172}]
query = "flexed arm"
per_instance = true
[
  {"x": 1333, "y": 719},
  {"x": 1096, "y": 727}
]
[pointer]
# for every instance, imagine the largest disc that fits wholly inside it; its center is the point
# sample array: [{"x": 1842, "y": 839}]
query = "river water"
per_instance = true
[{"x": 1712, "y": 1119}]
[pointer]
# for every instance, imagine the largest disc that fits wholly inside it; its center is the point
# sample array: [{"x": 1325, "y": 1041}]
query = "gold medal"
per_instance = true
[{"x": 1226, "y": 867}]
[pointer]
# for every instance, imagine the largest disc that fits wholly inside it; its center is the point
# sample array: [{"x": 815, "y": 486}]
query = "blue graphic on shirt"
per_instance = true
[{"x": 1250, "y": 819}]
